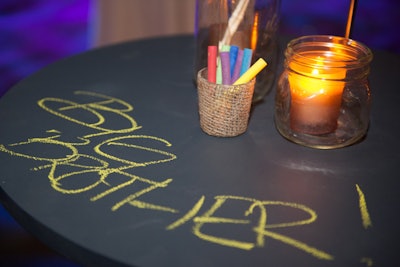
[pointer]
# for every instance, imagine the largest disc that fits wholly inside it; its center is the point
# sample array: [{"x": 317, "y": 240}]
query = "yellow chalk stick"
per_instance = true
[{"x": 251, "y": 72}]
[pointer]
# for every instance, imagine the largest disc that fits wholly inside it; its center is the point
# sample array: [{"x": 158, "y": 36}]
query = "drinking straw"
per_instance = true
[
  {"x": 246, "y": 61},
  {"x": 238, "y": 66},
  {"x": 212, "y": 63},
  {"x": 350, "y": 17},
  {"x": 233, "y": 52},
  {"x": 226, "y": 69},
  {"x": 234, "y": 21},
  {"x": 251, "y": 72}
]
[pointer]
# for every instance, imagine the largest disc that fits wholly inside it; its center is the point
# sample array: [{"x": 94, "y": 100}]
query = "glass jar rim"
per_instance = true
[{"x": 305, "y": 48}]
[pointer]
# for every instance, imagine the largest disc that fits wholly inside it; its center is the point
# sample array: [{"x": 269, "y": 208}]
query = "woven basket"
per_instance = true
[{"x": 224, "y": 109}]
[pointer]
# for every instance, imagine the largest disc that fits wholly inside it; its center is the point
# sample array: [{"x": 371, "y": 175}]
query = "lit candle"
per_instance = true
[
  {"x": 316, "y": 93},
  {"x": 322, "y": 96}
]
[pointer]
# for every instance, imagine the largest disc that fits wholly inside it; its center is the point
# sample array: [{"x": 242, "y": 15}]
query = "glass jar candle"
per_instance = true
[
  {"x": 254, "y": 25},
  {"x": 323, "y": 96}
]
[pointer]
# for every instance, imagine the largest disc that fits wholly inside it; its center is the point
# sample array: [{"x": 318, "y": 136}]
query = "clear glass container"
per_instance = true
[
  {"x": 323, "y": 95},
  {"x": 257, "y": 29}
]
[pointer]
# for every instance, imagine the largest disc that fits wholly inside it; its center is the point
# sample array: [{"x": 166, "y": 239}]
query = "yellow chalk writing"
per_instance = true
[
  {"x": 368, "y": 261},
  {"x": 116, "y": 142},
  {"x": 130, "y": 199},
  {"x": 366, "y": 219},
  {"x": 145, "y": 205},
  {"x": 299, "y": 245},
  {"x": 260, "y": 230},
  {"x": 106, "y": 157},
  {"x": 66, "y": 151},
  {"x": 72, "y": 172},
  {"x": 98, "y": 110},
  {"x": 189, "y": 215}
]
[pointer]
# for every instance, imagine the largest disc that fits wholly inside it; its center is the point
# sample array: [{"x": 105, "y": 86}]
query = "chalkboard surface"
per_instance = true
[{"x": 103, "y": 159}]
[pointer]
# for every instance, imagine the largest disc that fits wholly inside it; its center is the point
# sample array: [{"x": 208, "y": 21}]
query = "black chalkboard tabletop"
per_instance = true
[{"x": 103, "y": 159}]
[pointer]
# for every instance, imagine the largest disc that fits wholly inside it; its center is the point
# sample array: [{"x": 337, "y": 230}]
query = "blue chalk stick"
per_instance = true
[
  {"x": 247, "y": 54},
  {"x": 233, "y": 52}
]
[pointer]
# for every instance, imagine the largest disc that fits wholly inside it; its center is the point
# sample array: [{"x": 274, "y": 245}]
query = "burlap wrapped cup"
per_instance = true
[{"x": 224, "y": 109}]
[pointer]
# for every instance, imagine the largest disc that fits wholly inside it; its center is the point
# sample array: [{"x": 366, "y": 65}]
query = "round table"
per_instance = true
[{"x": 103, "y": 159}]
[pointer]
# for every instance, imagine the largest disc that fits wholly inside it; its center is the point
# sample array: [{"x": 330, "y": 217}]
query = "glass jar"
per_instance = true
[
  {"x": 257, "y": 30},
  {"x": 323, "y": 96}
]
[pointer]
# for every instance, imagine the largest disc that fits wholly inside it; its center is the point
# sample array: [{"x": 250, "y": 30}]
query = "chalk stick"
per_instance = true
[
  {"x": 224, "y": 48},
  {"x": 247, "y": 54},
  {"x": 219, "y": 71},
  {"x": 238, "y": 66},
  {"x": 232, "y": 57},
  {"x": 212, "y": 63},
  {"x": 251, "y": 72},
  {"x": 226, "y": 69}
]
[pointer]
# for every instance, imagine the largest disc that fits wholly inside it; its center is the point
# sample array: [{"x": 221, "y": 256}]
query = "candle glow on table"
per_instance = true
[{"x": 316, "y": 94}]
